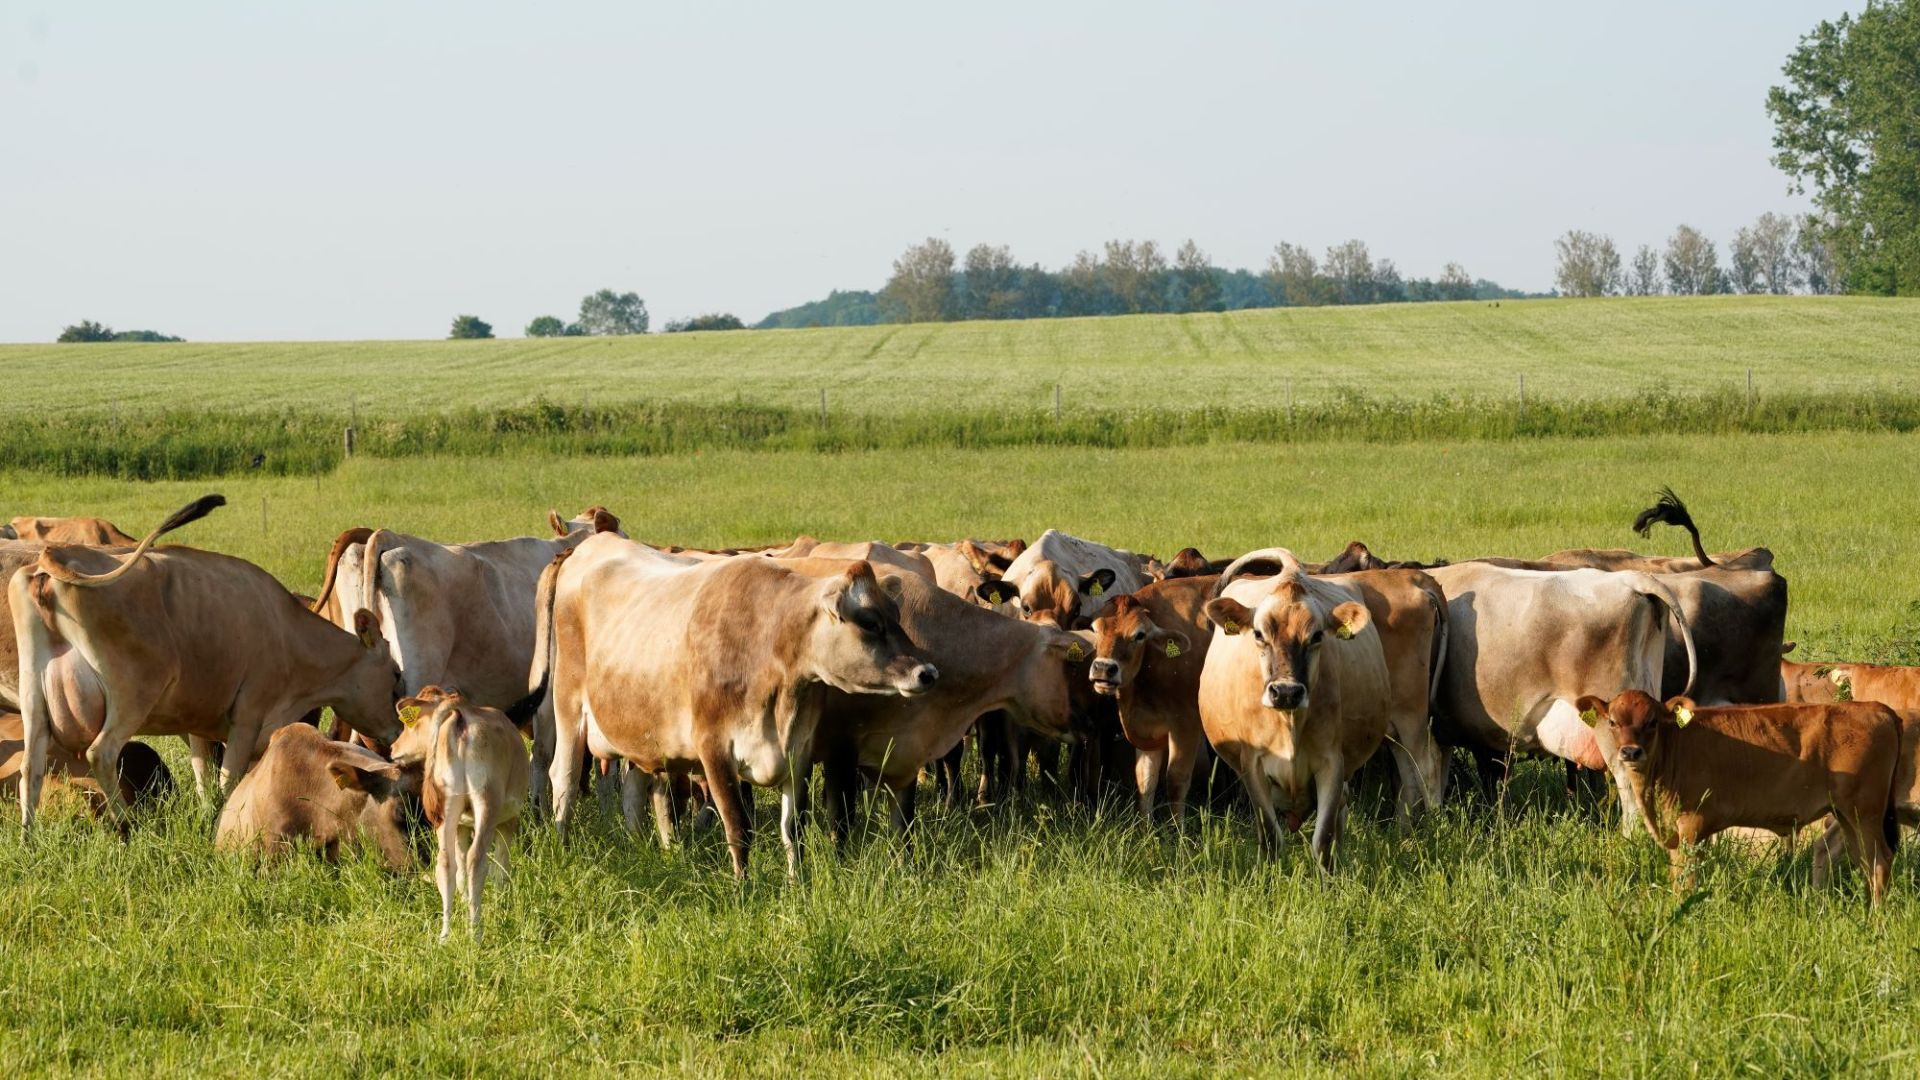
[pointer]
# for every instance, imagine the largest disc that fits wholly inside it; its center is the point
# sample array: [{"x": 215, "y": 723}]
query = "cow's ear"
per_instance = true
[
  {"x": 554, "y": 522},
  {"x": 377, "y": 782},
  {"x": 1073, "y": 648},
  {"x": 1230, "y": 615},
  {"x": 892, "y": 586},
  {"x": 975, "y": 555},
  {"x": 995, "y": 592},
  {"x": 1682, "y": 708},
  {"x": 1098, "y": 582},
  {"x": 1349, "y": 619},
  {"x": 1592, "y": 710},
  {"x": 603, "y": 521},
  {"x": 1787, "y": 647},
  {"x": 1172, "y": 642},
  {"x": 366, "y": 625}
]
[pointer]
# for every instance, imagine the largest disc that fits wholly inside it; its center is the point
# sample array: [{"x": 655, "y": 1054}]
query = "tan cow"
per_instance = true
[
  {"x": 309, "y": 791},
  {"x": 1896, "y": 687},
  {"x": 988, "y": 665},
  {"x": 144, "y": 778},
  {"x": 1064, "y": 581},
  {"x": 1149, "y": 649},
  {"x": 1906, "y": 796},
  {"x": 881, "y": 555},
  {"x": 1294, "y": 696},
  {"x": 709, "y": 669},
  {"x": 1696, "y": 771},
  {"x": 91, "y": 531},
  {"x": 1806, "y": 684},
  {"x": 175, "y": 641},
  {"x": 473, "y": 783}
]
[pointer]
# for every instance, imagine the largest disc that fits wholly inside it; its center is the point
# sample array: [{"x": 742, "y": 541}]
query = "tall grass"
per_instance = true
[{"x": 186, "y": 443}]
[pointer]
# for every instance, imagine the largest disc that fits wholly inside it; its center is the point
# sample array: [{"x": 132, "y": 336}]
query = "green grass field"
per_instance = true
[
  {"x": 1564, "y": 348},
  {"x": 1042, "y": 940}
]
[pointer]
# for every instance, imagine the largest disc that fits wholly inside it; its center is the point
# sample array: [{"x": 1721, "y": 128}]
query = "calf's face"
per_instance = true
[
  {"x": 858, "y": 645},
  {"x": 1049, "y": 596},
  {"x": 1123, "y": 634},
  {"x": 1289, "y": 636},
  {"x": 1634, "y": 718}
]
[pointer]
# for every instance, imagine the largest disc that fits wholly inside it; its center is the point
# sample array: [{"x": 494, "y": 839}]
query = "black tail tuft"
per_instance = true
[
  {"x": 523, "y": 711},
  {"x": 1891, "y": 824},
  {"x": 1669, "y": 510},
  {"x": 192, "y": 512}
]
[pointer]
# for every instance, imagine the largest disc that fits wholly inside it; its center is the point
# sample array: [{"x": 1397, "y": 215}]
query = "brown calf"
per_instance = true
[{"x": 311, "y": 791}]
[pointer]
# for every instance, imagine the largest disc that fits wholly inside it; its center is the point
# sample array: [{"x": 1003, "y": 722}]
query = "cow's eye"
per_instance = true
[
  {"x": 1139, "y": 635},
  {"x": 1259, "y": 637},
  {"x": 1315, "y": 639}
]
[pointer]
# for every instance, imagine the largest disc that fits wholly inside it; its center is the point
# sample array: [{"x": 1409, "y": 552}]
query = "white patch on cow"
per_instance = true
[{"x": 1563, "y": 734}]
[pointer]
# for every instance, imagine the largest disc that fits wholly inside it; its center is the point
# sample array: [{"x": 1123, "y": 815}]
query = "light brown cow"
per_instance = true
[
  {"x": 1806, "y": 684},
  {"x": 1906, "y": 796},
  {"x": 1064, "y": 581},
  {"x": 309, "y": 791},
  {"x": 963, "y": 566},
  {"x": 177, "y": 641},
  {"x": 873, "y": 551},
  {"x": 1699, "y": 770},
  {"x": 144, "y": 778},
  {"x": 1149, "y": 649},
  {"x": 709, "y": 668},
  {"x": 473, "y": 784},
  {"x": 1295, "y": 696},
  {"x": 92, "y": 531},
  {"x": 1897, "y": 687}
]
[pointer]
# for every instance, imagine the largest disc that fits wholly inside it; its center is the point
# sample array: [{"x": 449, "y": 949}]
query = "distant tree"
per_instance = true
[
  {"x": 1388, "y": 287},
  {"x": 1643, "y": 274},
  {"x": 546, "y": 326},
  {"x": 992, "y": 283},
  {"x": 1293, "y": 276},
  {"x": 1199, "y": 288},
  {"x": 1132, "y": 274},
  {"x": 1847, "y": 122},
  {"x": 1588, "y": 266},
  {"x": 144, "y": 335},
  {"x": 85, "y": 330},
  {"x": 608, "y": 313},
  {"x": 1349, "y": 270},
  {"x": 719, "y": 321},
  {"x": 1761, "y": 257},
  {"x": 1812, "y": 259},
  {"x": 470, "y": 326},
  {"x": 1692, "y": 265},
  {"x": 848, "y": 307},
  {"x": 1083, "y": 287},
  {"x": 922, "y": 281},
  {"x": 1454, "y": 283}
]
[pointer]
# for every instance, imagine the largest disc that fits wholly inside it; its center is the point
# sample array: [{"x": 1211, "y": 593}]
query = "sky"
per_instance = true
[{"x": 346, "y": 170}]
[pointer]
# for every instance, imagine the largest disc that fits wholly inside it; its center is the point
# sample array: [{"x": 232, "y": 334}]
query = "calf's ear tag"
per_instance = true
[
  {"x": 1682, "y": 716},
  {"x": 996, "y": 597},
  {"x": 1073, "y": 651},
  {"x": 410, "y": 716},
  {"x": 1095, "y": 589},
  {"x": 1173, "y": 648},
  {"x": 1343, "y": 632},
  {"x": 1590, "y": 717}
]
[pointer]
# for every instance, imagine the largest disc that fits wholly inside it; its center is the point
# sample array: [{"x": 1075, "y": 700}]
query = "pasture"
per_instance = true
[
  {"x": 1564, "y": 348},
  {"x": 1042, "y": 939}
]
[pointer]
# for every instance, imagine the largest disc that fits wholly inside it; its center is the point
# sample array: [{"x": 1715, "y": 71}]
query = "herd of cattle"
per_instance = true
[{"x": 466, "y": 680}]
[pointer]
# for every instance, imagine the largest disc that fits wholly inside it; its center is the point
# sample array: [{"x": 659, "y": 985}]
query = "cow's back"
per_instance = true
[{"x": 1739, "y": 620}]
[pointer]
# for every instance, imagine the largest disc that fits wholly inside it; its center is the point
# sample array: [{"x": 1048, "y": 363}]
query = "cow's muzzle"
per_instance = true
[
  {"x": 1284, "y": 696},
  {"x": 1105, "y": 675},
  {"x": 918, "y": 680},
  {"x": 1632, "y": 754}
]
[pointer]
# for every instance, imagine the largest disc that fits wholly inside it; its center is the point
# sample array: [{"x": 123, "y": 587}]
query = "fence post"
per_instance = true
[
  {"x": 263, "y": 515},
  {"x": 1056, "y": 403},
  {"x": 1523, "y": 398},
  {"x": 349, "y": 440}
]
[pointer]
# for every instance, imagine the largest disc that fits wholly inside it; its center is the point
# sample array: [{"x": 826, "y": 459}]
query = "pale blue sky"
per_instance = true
[{"x": 249, "y": 171}]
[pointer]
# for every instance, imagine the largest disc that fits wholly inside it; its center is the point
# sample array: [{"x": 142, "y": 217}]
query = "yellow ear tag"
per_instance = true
[
  {"x": 1173, "y": 648},
  {"x": 1343, "y": 632},
  {"x": 1589, "y": 717},
  {"x": 1095, "y": 589},
  {"x": 996, "y": 598},
  {"x": 1073, "y": 651},
  {"x": 410, "y": 716},
  {"x": 1230, "y": 626},
  {"x": 1682, "y": 716}
]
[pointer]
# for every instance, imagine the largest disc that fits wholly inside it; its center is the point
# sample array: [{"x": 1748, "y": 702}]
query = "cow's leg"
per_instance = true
[
  {"x": 1266, "y": 820},
  {"x": 733, "y": 813},
  {"x": 563, "y": 774},
  {"x": 840, "y": 787},
  {"x": 1830, "y": 843},
  {"x": 1183, "y": 755},
  {"x": 1148, "y": 765},
  {"x": 793, "y": 813},
  {"x": 947, "y": 774},
  {"x": 36, "y": 730},
  {"x": 633, "y": 787},
  {"x": 905, "y": 798},
  {"x": 445, "y": 872},
  {"x": 1330, "y": 809},
  {"x": 1411, "y": 796},
  {"x": 542, "y": 753},
  {"x": 485, "y": 814},
  {"x": 241, "y": 740},
  {"x": 661, "y": 787},
  {"x": 1686, "y": 843}
]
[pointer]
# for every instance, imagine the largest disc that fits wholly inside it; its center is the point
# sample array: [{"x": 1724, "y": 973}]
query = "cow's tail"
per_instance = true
[
  {"x": 1440, "y": 630},
  {"x": 451, "y": 748},
  {"x": 1650, "y": 586},
  {"x": 356, "y": 535},
  {"x": 186, "y": 515},
  {"x": 1288, "y": 562},
  {"x": 1672, "y": 511},
  {"x": 377, "y": 543},
  {"x": 541, "y": 677}
]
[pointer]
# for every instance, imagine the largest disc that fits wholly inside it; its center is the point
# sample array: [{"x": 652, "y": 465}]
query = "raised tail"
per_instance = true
[
  {"x": 1671, "y": 511},
  {"x": 538, "y": 680},
  {"x": 1289, "y": 565},
  {"x": 377, "y": 542},
  {"x": 186, "y": 515},
  {"x": 355, "y": 535},
  {"x": 1649, "y": 585}
]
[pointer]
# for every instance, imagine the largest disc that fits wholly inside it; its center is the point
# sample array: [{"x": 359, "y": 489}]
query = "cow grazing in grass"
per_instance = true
[
  {"x": 1696, "y": 771},
  {"x": 311, "y": 792}
]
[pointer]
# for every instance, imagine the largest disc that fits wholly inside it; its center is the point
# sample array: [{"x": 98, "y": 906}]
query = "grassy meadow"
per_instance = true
[
  {"x": 1564, "y": 348},
  {"x": 1040, "y": 938}
]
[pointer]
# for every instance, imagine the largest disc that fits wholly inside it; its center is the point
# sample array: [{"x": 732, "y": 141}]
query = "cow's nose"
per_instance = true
[
  {"x": 926, "y": 676},
  {"x": 1104, "y": 669},
  {"x": 1631, "y": 753},
  {"x": 1285, "y": 695}
]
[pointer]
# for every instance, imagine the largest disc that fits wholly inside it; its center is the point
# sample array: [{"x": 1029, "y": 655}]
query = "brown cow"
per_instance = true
[
  {"x": 1906, "y": 795},
  {"x": 144, "y": 778},
  {"x": 91, "y": 531},
  {"x": 709, "y": 668},
  {"x": 1896, "y": 687},
  {"x": 1149, "y": 649},
  {"x": 1696, "y": 771},
  {"x": 1806, "y": 684},
  {"x": 177, "y": 641},
  {"x": 311, "y": 791}
]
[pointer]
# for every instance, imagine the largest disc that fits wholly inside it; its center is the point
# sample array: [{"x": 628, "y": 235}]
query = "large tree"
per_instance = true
[
  {"x": 1847, "y": 122},
  {"x": 1643, "y": 274},
  {"x": 608, "y": 313},
  {"x": 1293, "y": 276},
  {"x": 1692, "y": 264},
  {"x": 1350, "y": 272},
  {"x": 1199, "y": 287},
  {"x": 85, "y": 330},
  {"x": 922, "y": 281},
  {"x": 1454, "y": 283},
  {"x": 993, "y": 283},
  {"x": 1133, "y": 272},
  {"x": 1761, "y": 258},
  {"x": 470, "y": 326},
  {"x": 1588, "y": 265}
]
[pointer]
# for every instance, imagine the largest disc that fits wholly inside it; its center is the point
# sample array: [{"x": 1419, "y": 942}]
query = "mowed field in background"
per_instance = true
[
  {"x": 1040, "y": 938},
  {"x": 1564, "y": 348}
]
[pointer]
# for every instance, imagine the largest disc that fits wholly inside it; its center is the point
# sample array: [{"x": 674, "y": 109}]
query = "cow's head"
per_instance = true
[
  {"x": 420, "y": 718},
  {"x": 1635, "y": 719},
  {"x": 858, "y": 645},
  {"x": 1289, "y": 633},
  {"x": 594, "y": 519},
  {"x": 1049, "y": 596},
  {"x": 1188, "y": 563},
  {"x": 1123, "y": 635},
  {"x": 372, "y": 685}
]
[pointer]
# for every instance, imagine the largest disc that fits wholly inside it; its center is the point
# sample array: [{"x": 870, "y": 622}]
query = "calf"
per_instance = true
[
  {"x": 1698, "y": 771},
  {"x": 1149, "y": 649},
  {"x": 1897, "y": 687},
  {"x": 474, "y": 777},
  {"x": 1806, "y": 684},
  {"x": 1295, "y": 696},
  {"x": 311, "y": 791}
]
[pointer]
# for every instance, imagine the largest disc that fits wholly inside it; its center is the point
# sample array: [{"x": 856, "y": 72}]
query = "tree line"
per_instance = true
[{"x": 1775, "y": 255}]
